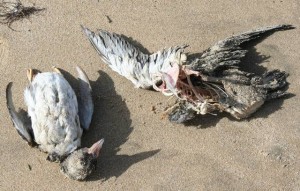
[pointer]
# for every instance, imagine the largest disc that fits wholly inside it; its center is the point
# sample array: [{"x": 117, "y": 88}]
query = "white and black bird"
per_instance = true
[
  {"x": 56, "y": 119},
  {"x": 210, "y": 82}
]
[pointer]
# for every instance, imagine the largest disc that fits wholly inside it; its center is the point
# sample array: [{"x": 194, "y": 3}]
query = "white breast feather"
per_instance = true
[{"x": 53, "y": 108}]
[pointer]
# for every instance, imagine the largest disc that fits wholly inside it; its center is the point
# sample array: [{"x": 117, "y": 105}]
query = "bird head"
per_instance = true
[
  {"x": 169, "y": 80},
  {"x": 81, "y": 163}
]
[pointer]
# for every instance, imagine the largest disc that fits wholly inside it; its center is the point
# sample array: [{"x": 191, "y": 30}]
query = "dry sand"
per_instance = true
[{"x": 143, "y": 151}]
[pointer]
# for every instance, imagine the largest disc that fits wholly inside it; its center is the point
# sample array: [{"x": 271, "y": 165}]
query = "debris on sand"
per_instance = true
[
  {"x": 108, "y": 19},
  {"x": 29, "y": 167},
  {"x": 14, "y": 11}
]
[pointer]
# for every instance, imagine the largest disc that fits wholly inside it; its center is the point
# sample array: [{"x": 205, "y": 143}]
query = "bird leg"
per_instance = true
[
  {"x": 55, "y": 69},
  {"x": 31, "y": 73}
]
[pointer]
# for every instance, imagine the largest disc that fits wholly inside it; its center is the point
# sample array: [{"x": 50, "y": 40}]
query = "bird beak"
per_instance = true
[
  {"x": 95, "y": 148},
  {"x": 172, "y": 74},
  {"x": 169, "y": 79}
]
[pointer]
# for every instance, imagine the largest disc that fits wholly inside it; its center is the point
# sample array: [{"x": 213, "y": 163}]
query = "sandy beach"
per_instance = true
[{"x": 143, "y": 151}]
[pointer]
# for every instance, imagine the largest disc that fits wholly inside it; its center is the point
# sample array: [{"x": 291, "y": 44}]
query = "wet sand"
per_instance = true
[{"x": 142, "y": 151}]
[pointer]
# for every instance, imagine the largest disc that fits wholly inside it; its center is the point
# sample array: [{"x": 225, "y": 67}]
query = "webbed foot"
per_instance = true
[{"x": 54, "y": 157}]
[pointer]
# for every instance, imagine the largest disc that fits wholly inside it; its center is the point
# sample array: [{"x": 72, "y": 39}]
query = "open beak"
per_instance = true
[
  {"x": 95, "y": 148},
  {"x": 169, "y": 79}
]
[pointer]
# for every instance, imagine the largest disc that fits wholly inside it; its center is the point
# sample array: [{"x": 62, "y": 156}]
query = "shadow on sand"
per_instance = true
[{"x": 111, "y": 121}]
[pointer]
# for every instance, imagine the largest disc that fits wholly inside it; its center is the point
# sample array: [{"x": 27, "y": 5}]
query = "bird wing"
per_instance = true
[
  {"x": 20, "y": 120},
  {"x": 229, "y": 52},
  {"x": 128, "y": 61},
  {"x": 85, "y": 101}
]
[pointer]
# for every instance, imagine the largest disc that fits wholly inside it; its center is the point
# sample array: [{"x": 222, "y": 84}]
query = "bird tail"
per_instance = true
[{"x": 275, "y": 82}]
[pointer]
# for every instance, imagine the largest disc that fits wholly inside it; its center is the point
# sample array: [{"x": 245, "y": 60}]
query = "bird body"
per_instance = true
[
  {"x": 53, "y": 109},
  {"x": 204, "y": 84},
  {"x": 56, "y": 120}
]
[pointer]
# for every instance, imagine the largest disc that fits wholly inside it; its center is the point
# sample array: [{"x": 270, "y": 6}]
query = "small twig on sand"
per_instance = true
[{"x": 108, "y": 19}]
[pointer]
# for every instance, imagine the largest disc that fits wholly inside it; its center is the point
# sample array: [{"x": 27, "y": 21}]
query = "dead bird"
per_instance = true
[
  {"x": 57, "y": 119},
  {"x": 210, "y": 82},
  {"x": 13, "y": 11}
]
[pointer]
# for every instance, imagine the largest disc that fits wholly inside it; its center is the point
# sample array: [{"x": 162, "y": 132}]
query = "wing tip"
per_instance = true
[
  {"x": 8, "y": 90},
  {"x": 288, "y": 26},
  {"x": 83, "y": 76},
  {"x": 8, "y": 86},
  {"x": 284, "y": 27},
  {"x": 86, "y": 31}
]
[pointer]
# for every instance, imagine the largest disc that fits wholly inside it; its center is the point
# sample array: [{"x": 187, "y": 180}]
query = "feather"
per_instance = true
[
  {"x": 122, "y": 57},
  {"x": 85, "y": 101},
  {"x": 23, "y": 127},
  {"x": 229, "y": 52}
]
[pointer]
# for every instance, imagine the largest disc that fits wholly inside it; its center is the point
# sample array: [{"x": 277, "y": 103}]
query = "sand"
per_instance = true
[{"x": 142, "y": 151}]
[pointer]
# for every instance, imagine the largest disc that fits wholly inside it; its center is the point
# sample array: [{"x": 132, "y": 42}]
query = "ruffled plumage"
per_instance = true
[{"x": 210, "y": 82}]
